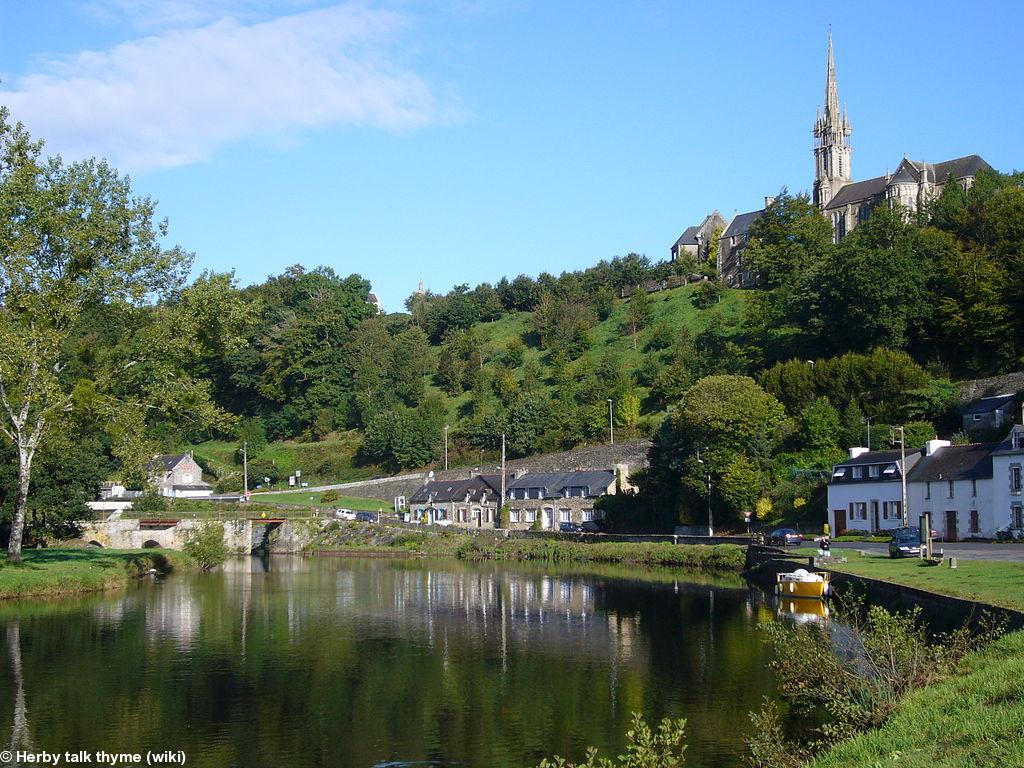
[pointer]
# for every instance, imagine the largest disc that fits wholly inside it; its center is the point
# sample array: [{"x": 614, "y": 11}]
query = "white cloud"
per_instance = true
[{"x": 176, "y": 97}]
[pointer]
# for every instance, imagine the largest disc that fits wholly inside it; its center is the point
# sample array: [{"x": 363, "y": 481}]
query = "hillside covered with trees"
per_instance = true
[{"x": 770, "y": 384}]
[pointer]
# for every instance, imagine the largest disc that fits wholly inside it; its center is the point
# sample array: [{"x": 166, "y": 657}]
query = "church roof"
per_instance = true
[
  {"x": 957, "y": 168},
  {"x": 689, "y": 237},
  {"x": 741, "y": 223},
  {"x": 857, "y": 191}
]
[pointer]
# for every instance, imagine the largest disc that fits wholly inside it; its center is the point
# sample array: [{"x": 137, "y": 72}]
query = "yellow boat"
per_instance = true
[{"x": 802, "y": 583}]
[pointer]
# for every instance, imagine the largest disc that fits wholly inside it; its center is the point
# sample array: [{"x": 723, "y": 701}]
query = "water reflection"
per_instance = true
[{"x": 356, "y": 662}]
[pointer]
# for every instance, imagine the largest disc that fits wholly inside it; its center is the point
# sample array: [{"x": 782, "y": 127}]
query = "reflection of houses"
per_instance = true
[
  {"x": 178, "y": 475},
  {"x": 547, "y": 500},
  {"x": 173, "y": 613}
]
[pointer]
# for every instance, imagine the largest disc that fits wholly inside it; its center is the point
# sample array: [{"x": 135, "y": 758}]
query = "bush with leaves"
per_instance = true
[
  {"x": 661, "y": 748},
  {"x": 151, "y": 501},
  {"x": 206, "y": 545}
]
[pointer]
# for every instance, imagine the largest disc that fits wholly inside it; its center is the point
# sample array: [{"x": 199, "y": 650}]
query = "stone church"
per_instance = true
[{"x": 842, "y": 200}]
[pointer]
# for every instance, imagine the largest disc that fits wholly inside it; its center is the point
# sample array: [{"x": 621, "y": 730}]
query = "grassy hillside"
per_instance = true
[{"x": 333, "y": 459}]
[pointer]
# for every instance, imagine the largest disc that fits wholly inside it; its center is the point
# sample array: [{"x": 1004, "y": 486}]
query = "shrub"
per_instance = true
[
  {"x": 662, "y": 748},
  {"x": 206, "y": 545},
  {"x": 329, "y": 497},
  {"x": 150, "y": 501}
]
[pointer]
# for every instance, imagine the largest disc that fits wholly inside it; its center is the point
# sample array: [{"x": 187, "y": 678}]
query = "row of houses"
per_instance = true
[
  {"x": 969, "y": 490},
  {"x": 533, "y": 499}
]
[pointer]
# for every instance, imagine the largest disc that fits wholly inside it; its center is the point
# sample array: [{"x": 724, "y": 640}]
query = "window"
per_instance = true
[
  {"x": 840, "y": 472},
  {"x": 588, "y": 515},
  {"x": 531, "y": 515},
  {"x": 1018, "y": 516},
  {"x": 1017, "y": 440},
  {"x": 565, "y": 516},
  {"x": 885, "y": 510},
  {"x": 975, "y": 525},
  {"x": 890, "y": 470},
  {"x": 896, "y": 509},
  {"x": 950, "y": 489},
  {"x": 1015, "y": 479},
  {"x": 928, "y": 489},
  {"x": 513, "y": 516},
  {"x": 874, "y": 470},
  {"x": 858, "y": 473},
  {"x": 862, "y": 510},
  {"x": 977, "y": 417}
]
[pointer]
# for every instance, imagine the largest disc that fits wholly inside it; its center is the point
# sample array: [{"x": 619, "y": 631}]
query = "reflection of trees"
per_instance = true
[{"x": 21, "y": 736}]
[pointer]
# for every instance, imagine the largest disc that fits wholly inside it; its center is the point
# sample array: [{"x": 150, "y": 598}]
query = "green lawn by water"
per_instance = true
[
  {"x": 56, "y": 572},
  {"x": 973, "y": 719},
  {"x": 988, "y": 581}
]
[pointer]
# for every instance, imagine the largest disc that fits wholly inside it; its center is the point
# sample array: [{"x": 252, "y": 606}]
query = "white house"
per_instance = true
[
  {"x": 1007, "y": 481},
  {"x": 178, "y": 475},
  {"x": 954, "y": 484},
  {"x": 865, "y": 492}
]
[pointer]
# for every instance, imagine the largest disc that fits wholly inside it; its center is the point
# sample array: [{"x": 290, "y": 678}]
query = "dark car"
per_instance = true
[
  {"x": 590, "y": 526},
  {"x": 570, "y": 528},
  {"x": 785, "y": 537},
  {"x": 905, "y": 542},
  {"x": 366, "y": 517}
]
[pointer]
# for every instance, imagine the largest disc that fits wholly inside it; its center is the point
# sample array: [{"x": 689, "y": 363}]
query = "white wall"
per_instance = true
[
  {"x": 963, "y": 503},
  {"x": 1003, "y": 498},
  {"x": 841, "y": 495}
]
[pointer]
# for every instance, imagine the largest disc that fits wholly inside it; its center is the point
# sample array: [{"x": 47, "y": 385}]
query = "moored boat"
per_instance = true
[{"x": 802, "y": 583}]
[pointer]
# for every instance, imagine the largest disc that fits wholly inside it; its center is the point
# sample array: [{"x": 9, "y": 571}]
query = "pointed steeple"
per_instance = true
[{"x": 831, "y": 132}]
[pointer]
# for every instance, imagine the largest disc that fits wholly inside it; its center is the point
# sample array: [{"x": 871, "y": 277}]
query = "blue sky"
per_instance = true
[{"x": 462, "y": 140}]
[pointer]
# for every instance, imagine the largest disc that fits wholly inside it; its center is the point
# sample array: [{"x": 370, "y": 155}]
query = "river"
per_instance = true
[{"x": 288, "y": 662}]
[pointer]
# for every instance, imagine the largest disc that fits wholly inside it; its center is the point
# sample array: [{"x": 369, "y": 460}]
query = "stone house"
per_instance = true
[
  {"x": 178, "y": 475},
  {"x": 696, "y": 240},
  {"x": 468, "y": 503},
  {"x": 731, "y": 268},
  {"x": 549, "y": 499},
  {"x": 865, "y": 492},
  {"x": 1008, "y": 482},
  {"x": 954, "y": 484},
  {"x": 989, "y": 414}
]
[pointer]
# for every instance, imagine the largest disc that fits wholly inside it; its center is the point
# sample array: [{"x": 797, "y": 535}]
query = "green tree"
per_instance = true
[
  {"x": 638, "y": 314},
  {"x": 70, "y": 235},
  {"x": 821, "y": 425},
  {"x": 741, "y": 485},
  {"x": 788, "y": 241}
]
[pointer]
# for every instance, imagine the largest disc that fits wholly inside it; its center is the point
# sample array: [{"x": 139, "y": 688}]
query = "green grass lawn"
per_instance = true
[
  {"x": 975, "y": 719},
  {"x": 56, "y": 572},
  {"x": 989, "y": 581},
  {"x": 316, "y": 500}
]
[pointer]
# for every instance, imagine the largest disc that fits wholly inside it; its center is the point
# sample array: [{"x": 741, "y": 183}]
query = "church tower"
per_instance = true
[{"x": 831, "y": 140}]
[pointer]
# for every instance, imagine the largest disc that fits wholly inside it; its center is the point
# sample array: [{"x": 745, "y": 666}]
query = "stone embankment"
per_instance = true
[{"x": 633, "y": 453}]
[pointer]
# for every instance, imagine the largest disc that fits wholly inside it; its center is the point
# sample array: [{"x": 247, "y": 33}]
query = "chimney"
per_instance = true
[
  {"x": 933, "y": 445},
  {"x": 855, "y": 452}
]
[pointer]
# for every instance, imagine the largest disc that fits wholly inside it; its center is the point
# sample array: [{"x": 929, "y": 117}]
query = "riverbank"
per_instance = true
[
  {"x": 59, "y": 572},
  {"x": 972, "y": 718},
  {"x": 345, "y": 537}
]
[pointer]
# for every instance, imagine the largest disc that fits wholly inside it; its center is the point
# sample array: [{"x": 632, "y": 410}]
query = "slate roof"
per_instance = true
[
  {"x": 857, "y": 191},
  {"x": 201, "y": 486},
  {"x": 955, "y": 462},
  {"x": 957, "y": 168},
  {"x": 168, "y": 461},
  {"x": 741, "y": 223},
  {"x": 875, "y": 457},
  {"x": 443, "y": 491},
  {"x": 554, "y": 484},
  {"x": 689, "y": 237},
  {"x": 988, "y": 404}
]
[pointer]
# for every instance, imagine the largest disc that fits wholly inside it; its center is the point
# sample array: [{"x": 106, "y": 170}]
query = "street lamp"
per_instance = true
[
  {"x": 711, "y": 522},
  {"x": 445, "y": 447},
  {"x": 611, "y": 422},
  {"x": 867, "y": 420}
]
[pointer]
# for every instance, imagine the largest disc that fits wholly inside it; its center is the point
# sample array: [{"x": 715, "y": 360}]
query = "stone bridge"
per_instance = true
[{"x": 240, "y": 536}]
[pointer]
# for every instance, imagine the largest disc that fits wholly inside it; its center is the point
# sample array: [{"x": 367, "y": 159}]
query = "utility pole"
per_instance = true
[
  {"x": 611, "y": 423},
  {"x": 711, "y": 521},
  {"x": 245, "y": 470},
  {"x": 903, "y": 470},
  {"x": 445, "y": 447},
  {"x": 867, "y": 420}
]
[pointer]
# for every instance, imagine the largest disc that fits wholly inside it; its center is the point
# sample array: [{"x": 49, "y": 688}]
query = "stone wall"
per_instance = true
[{"x": 632, "y": 453}]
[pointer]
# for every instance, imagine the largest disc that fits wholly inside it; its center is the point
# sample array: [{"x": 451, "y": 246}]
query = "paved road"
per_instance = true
[{"x": 966, "y": 550}]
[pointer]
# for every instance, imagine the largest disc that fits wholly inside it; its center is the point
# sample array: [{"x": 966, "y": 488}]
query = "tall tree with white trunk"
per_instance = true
[{"x": 71, "y": 234}]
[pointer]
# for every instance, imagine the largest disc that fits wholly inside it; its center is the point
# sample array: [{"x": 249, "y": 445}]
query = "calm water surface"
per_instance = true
[{"x": 292, "y": 662}]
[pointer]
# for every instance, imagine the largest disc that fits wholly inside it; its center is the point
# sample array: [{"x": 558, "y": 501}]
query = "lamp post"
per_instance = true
[
  {"x": 245, "y": 470},
  {"x": 611, "y": 423},
  {"x": 903, "y": 469},
  {"x": 445, "y": 447},
  {"x": 711, "y": 522},
  {"x": 867, "y": 420}
]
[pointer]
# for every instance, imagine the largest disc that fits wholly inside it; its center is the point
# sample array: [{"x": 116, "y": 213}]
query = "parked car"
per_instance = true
[
  {"x": 590, "y": 526},
  {"x": 443, "y": 522},
  {"x": 344, "y": 514},
  {"x": 570, "y": 528},
  {"x": 366, "y": 517},
  {"x": 784, "y": 537},
  {"x": 905, "y": 542}
]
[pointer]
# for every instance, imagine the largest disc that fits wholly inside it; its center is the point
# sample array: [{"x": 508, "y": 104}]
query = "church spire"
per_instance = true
[{"x": 831, "y": 132}]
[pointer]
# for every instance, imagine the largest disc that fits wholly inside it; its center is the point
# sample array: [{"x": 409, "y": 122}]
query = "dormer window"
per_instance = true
[
  {"x": 858, "y": 473},
  {"x": 874, "y": 470},
  {"x": 1017, "y": 440},
  {"x": 839, "y": 472}
]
